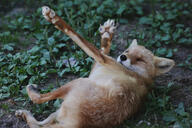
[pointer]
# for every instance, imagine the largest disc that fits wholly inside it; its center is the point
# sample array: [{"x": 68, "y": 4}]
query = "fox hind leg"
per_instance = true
[
  {"x": 27, "y": 116},
  {"x": 107, "y": 30},
  {"x": 32, "y": 122}
]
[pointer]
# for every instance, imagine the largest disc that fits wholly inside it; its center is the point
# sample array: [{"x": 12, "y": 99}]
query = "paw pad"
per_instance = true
[
  {"x": 32, "y": 87},
  {"x": 45, "y": 10},
  {"x": 19, "y": 113},
  {"x": 52, "y": 14},
  {"x": 107, "y": 29},
  {"x": 22, "y": 113},
  {"x": 49, "y": 14}
]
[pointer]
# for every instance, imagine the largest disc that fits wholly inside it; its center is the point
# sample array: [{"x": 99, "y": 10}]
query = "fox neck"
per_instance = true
[{"x": 147, "y": 80}]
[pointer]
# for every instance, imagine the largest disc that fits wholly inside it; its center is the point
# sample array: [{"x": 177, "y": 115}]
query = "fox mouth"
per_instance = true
[
  {"x": 121, "y": 63},
  {"x": 128, "y": 67},
  {"x": 127, "y": 64},
  {"x": 133, "y": 68}
]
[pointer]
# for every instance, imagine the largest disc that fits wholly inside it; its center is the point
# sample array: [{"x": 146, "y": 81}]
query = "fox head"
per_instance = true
[{"x": 142, "y": 61}]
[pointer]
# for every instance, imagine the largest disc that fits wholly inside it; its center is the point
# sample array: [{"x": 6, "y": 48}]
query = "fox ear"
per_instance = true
[
  {"x": 134, "y": 43},
  {"x": 163, "y": 65}
]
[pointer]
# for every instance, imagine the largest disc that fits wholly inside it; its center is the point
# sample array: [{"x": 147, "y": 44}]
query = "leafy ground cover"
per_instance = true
[{"x": 33, "y": 51}]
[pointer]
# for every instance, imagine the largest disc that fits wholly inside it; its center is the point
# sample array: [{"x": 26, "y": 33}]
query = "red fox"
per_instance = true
[{"x": 112, "y": 92}]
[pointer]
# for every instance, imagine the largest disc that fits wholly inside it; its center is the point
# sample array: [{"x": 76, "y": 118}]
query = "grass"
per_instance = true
[{"x": 32, "y": 50}]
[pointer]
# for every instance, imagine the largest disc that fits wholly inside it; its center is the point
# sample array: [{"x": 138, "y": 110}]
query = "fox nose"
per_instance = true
[{"x": 123, "y": 57}]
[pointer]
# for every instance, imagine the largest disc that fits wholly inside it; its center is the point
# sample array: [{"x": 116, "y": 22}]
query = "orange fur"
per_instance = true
[{"x": 113, "y": 91}]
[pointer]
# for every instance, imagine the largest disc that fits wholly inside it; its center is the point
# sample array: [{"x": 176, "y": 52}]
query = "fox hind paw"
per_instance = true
[
  {"x": 49, "y": 14},
  {"x": 21, "y": 113},
  {"x": 18, "y": 113},
  {"x": 107, "y": 29}
]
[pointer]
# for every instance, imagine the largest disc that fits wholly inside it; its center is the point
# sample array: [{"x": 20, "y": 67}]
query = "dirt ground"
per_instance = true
[{"x": 180, "y": 76}]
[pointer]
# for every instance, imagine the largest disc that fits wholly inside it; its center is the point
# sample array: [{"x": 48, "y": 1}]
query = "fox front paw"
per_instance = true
[
  {"x": 107, "y": 29},
  {"x": 33, "y": 93},
  {"x": 32, "y": 87}
]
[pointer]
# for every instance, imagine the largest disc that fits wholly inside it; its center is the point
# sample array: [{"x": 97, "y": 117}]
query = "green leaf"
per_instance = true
[
  {"x": 30, "y": 70},
  {"x": 171, "y": 16},
  {"x": 22, "y": 77},
  {"x": 8, "y": 47},
  {"x": 169, "y": 117},
  {"x": 34, "y": 49},
  {"x": 61, "y": 73},
  {"x": 181, "y": 110},
  {"x": 123, "y": 21},
  {"x": 46, "y": 55},
  {"x": 59, "y": 63},
  {"x": 121, "y": 9},
  {"x": 180, "y": 25},
  {"x": 183, "y": 40},
  {"x": 51, "y": 41},
  {"x": 166, "y": 37},
  {"x": 159, "y": 16},
  {"x": 52, "y": 71},
  {"x": 57, "y": 103},
  {"x": 5, "y": 34},
  {"x": 145, "y": 20},
  {"x": 161, "y": 51},
  {"x": 60, "y": 45},
  {"x": 43, "y": 74},
  {"x": 33, "y": 80},
  {"x": 100, "y": 9},
  {"x": 4, "y": 95},
  {"x": 170, "y": 53},
  {"x": 176, "y": 35},
  {"x": 39, "y": 36},
  {"x": 55, "y": 50},
  {"x": 43, "y": 61}
]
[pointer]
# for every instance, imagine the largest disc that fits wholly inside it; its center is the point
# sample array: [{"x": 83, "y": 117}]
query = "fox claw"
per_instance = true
[{"x": 109, "y": 23}]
